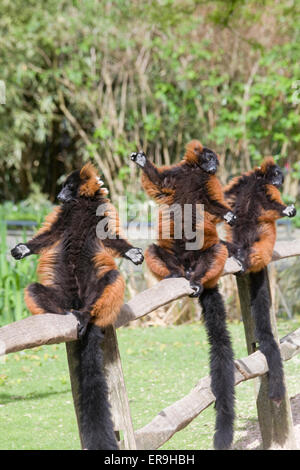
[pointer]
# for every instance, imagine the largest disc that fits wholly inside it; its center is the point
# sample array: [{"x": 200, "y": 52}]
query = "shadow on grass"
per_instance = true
[
  {"x": 8, "y": 398},
  {"x": 251, "y": 438}
]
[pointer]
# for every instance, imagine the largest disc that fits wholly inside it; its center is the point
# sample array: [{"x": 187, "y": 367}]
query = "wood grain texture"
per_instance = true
[
  {"x": 51, "y": 328},
  {"x": 275, "y": 422},
  {"x": 178, "y": 415},
  {"x": 117, "y": 390},
  {"x": 37, "y": 330}
]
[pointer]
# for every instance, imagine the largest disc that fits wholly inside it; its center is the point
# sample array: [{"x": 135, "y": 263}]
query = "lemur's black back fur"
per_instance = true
[
  {"x": 193, "y": 181},
  {"x": 78, "y": 274},
  {"x": 255, "y": 199}
]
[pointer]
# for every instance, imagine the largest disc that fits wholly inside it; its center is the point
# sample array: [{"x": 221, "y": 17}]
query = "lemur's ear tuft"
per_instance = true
[
  {"x": 267, "y": 162},
  {"x": 88, "y": 171},
  {"x": 91, "y": 182},
  {"x": 193, "y": 151}
]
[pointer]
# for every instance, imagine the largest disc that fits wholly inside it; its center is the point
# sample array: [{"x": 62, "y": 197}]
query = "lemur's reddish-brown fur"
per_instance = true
[
  {"x": 77, "y": 220},
  {"x": 191, "y": 182},
  {"x": 173, "y": 190},
  {"x": 77, "y": 273},
  {"x": 90, "y": 186},
  {"x": 258, "y": 205},
  {"x": 256, "y": 200},
  {"x": 46, "y": 265},
  {"x": 110, "y": 302},
  {"x": 32, "y": 306},
  {"x": 211, "y": 277}
]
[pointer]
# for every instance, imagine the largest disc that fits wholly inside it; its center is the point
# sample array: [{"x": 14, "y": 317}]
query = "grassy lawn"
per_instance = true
[{"x": 160, "y": 366}]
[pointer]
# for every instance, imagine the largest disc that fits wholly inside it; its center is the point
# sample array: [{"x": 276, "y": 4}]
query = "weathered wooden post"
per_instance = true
[
  {"x": 275, "y": 422},
  {"x": 116, "y": 384},
  {"x": 117, "y": 390},
  {"x": 73, "y": 351},
  {"x": 276, "y": 425}
]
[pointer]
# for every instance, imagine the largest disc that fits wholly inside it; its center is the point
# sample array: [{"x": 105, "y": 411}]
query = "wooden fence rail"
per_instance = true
[
  {"x": 50, "y": 328},
  {"x": 178, "y": 415}
]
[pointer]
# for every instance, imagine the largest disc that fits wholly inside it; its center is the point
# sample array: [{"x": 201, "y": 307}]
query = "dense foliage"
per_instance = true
[{"x": 97, "y": 79}]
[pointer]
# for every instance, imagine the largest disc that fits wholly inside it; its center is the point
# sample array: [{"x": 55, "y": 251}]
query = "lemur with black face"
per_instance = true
[
  {"x": 78, "y": 274},
  {"x": 190, "y": 182},
  {"x": 255, "y": 199}
]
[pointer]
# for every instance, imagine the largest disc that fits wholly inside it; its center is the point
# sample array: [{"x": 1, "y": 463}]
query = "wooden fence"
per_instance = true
[{"x": 275, "y": 421}]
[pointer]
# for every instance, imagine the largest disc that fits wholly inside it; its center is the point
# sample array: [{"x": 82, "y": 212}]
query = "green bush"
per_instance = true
[
  {"x": 16, "y": 275},
  {"x": 99, "y": 79}
]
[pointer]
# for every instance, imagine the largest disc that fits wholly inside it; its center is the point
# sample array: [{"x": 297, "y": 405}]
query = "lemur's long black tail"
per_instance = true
[
  {"x": 95, "y": 419},
  {"x": 221, "y": 365},
  {"x": 260, "y": 308}
]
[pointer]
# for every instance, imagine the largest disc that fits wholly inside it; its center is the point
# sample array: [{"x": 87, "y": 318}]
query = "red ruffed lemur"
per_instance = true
[
  {"x": 191, "y": 182},
  {"x": 255, "y": 199},
  {"x": 78, "y": 274}
]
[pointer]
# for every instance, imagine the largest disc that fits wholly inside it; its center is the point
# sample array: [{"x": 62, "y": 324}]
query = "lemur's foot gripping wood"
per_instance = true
[
  {"x": 221, "y": 365},
  {"x": 243, "y": 269},
  {"x": 83, "y": 321},
  {"x": 239, "y": 254},
  {"x": 197, "y": 288},
  {"x": 241, "y": 258}
]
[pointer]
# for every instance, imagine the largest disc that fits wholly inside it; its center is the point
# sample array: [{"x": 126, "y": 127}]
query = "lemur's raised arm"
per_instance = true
[
  {"x": 164, "y": 184},
  {"x": 193, "y": 182}
]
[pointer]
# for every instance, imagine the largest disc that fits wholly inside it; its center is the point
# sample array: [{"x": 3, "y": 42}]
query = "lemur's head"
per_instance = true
[
  {"x": 270, "y": 172},
  {"x": 82, "y": 183},
  {"x": 201, "y": 156}
]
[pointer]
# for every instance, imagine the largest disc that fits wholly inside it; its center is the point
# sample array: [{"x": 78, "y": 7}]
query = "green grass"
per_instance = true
[{"x": 160, "y": 366}]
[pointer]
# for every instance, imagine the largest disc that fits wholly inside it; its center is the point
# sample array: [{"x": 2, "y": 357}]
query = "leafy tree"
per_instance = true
[{"x": 99, "y": 79}]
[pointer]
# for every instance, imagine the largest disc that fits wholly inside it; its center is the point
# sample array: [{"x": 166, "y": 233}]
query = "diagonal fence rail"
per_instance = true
[{"x": 50, "y": 328}]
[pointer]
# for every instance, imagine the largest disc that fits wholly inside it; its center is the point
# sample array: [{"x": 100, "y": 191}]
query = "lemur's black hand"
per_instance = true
[
  {"x": 139, "y": 158},
  {"x": 290, "y": 211},
  {"x": 20, "y": 251},
  {"x": 230, "y": 218},
  {"x": 135, "y": 255}
]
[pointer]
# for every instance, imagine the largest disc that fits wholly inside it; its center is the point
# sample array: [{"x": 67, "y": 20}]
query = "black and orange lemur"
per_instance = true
[
  {"x": 191, "y": 182},
  {"x": 78, "y": 274},
  {"x": 255, "y": 199}
]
